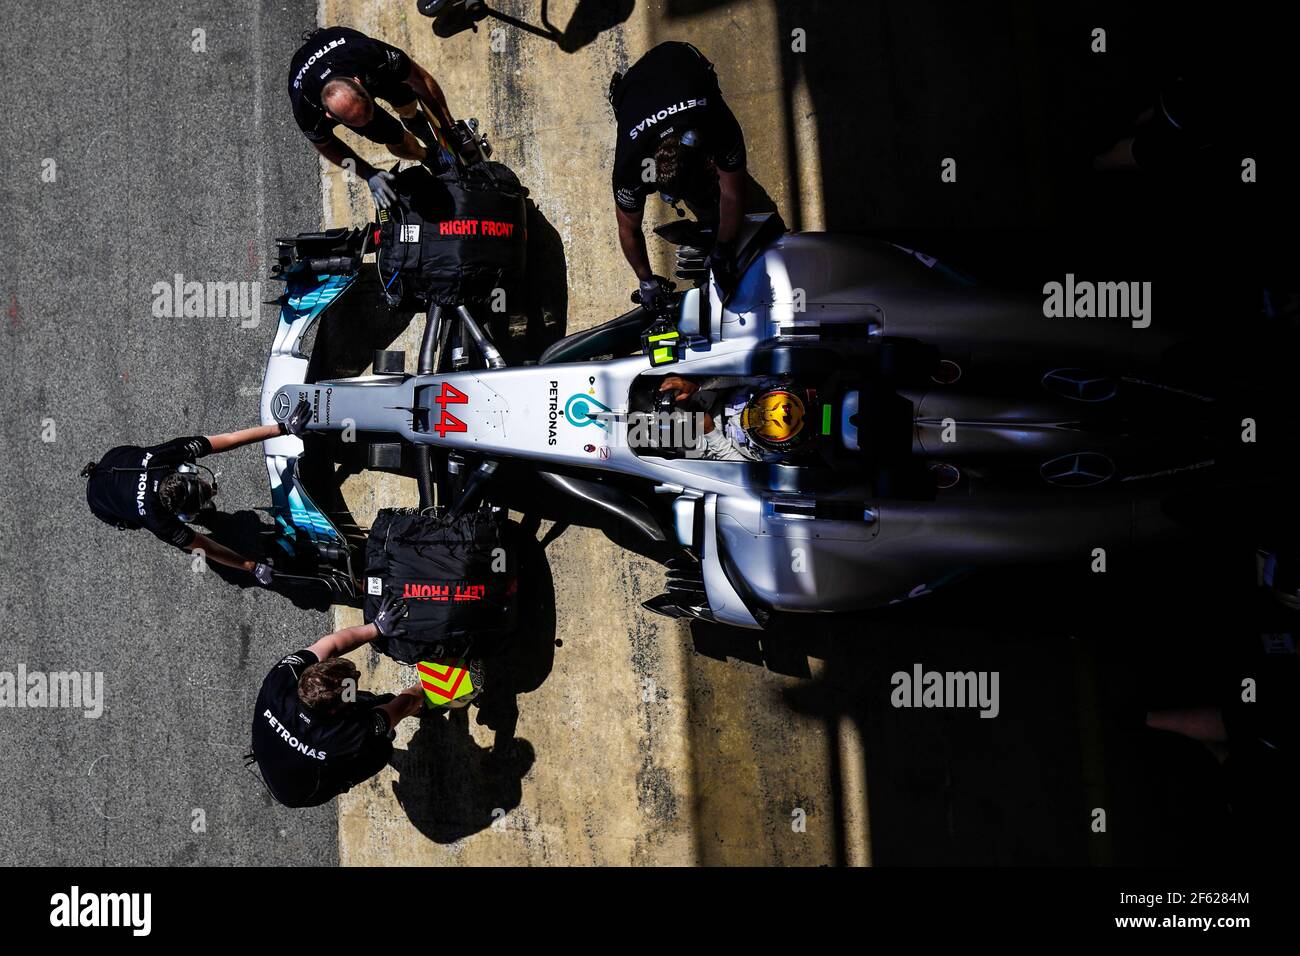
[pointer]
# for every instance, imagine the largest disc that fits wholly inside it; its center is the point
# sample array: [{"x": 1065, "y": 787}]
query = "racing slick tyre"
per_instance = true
[{"x": 458, "y": 576}]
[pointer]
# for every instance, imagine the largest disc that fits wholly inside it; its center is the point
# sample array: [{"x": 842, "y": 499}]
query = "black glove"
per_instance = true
[
  {"x": 264, "y": 573},
  {"x": 381, "y": 188},
  {"x": 722, "y": 263},
  {"x": 296, "y": 423},
  {"x": 388, "y": 619},
  {"x": 654, "y": 293}
]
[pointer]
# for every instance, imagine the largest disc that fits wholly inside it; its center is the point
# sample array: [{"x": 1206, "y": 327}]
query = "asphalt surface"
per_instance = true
[{"x": 167, "y": 161}]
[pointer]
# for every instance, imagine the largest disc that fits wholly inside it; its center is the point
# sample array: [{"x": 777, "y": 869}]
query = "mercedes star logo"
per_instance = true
[
  {"x": 280, "y": 406},
  {"x": 1078, "y": 470}
]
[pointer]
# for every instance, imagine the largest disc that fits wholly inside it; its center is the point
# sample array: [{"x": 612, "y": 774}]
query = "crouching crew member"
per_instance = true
[
  {"x": 668, "y": 108},
  {"x": 335, "y": 77},
  {"x": 315, "y": 735},
  {"x": 161, "y": 487}
]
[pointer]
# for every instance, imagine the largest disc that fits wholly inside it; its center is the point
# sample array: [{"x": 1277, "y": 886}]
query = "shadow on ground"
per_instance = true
[
  {"x": 1081, "y": 659},
  {"x": 1013, "y": 92},
  {"x": 450, "y": 786},
  {"x": 588, "y": 21}
]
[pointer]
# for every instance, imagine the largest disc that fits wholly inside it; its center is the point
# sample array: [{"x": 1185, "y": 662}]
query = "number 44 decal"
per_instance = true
[{"x": 447, "y": 422}]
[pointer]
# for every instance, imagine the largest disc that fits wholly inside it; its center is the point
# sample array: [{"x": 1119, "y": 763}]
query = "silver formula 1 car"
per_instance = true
[{"x": 959, "y": 428}]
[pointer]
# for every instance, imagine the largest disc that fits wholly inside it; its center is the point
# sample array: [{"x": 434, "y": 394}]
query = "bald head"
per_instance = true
[{"x": 347, "y": 101}]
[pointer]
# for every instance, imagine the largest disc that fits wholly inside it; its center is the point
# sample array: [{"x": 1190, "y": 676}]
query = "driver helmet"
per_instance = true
[{"x": 778, "y": 419}]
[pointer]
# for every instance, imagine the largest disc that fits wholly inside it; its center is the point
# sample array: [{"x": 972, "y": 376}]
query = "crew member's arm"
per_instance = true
[
  {"x": 410, "y": 701},
  {"x": 406, "y": 704},
  {"x": 729, "y": 156},
  {"x": 731, "y": 205},
  {"x": 379, "y": 180},
  {"x": 295, "y": 424},
  {"x": 245, "y": 436},
  {"x": 339, "y": 152},
  {"x": 632, "y": 239},
  {"x": 429, "y": 93},
  {"x": 344, "y": 640},
  {"x": 387, "y": 621},
  {"x": 219, "y": 553}
]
